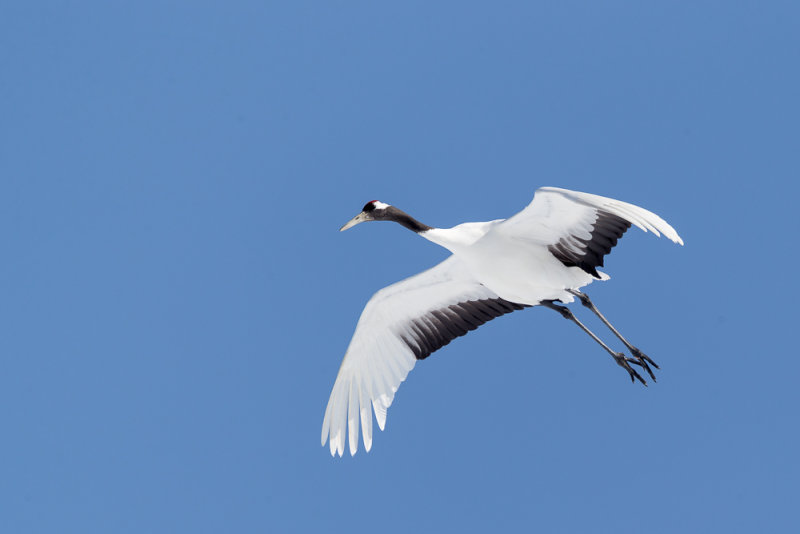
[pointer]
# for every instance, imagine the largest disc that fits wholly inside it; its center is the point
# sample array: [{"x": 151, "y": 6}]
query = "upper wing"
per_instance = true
[
  {"x": 580, "y": 228},
  {"x": 401, "y": 324}
]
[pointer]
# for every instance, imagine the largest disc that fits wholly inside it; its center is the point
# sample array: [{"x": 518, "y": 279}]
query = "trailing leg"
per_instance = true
[
  {"x": 640, "y": 356},
  {"x": 619, "y": 357}
]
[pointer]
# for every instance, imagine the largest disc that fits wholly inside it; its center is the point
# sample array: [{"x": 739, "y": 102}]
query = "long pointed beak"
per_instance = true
[{"x": 361, "y": 217}]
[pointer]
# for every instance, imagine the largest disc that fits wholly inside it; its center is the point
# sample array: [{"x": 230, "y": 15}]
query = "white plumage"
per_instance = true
[{"x": 543, "y": 253}]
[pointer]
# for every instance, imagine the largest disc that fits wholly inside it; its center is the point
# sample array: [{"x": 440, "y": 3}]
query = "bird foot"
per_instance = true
[
  {"x": 644, "y": 361},
  {"x": 624, "y": 362}
]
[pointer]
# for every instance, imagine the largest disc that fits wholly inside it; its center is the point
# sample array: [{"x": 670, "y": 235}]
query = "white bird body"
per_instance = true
[
  {"x": 544, "y": 253},
  {"x": 504, "y": 264}
]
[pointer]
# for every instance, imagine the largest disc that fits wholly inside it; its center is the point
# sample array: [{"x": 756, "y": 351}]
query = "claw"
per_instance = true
[
  {"x": 622, "y": 361},
  {"x": 643, "y": 360},
  {"x": 639, "y": 354}
]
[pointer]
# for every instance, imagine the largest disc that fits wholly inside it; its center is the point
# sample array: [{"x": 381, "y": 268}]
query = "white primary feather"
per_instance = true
[
  {"x": 378, "y": 359},
  {"x": 554, "y": 213}
]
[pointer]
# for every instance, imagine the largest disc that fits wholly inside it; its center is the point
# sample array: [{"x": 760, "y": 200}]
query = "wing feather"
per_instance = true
[
  {"x": 580, "y": 228},
  {"x": 400, "y": 324}
]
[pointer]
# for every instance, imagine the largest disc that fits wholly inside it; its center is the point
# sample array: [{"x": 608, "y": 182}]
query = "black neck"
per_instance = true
[{"x": 401, "y": 217}]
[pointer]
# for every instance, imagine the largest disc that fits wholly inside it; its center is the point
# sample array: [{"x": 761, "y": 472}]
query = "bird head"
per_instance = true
[{"x": 374, "y": 210}]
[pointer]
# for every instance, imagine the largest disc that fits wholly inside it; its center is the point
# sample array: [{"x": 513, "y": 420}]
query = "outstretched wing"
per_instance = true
[
  {"x": 579, "y": 228},
  {"x": 401, "y": 324}
]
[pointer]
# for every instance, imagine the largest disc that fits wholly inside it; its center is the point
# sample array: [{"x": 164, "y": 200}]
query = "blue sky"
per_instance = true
[{"x": 176, "y": 298}]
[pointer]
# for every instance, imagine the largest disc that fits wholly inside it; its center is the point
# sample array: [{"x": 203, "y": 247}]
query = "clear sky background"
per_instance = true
[{"x": 176, "y": 298}]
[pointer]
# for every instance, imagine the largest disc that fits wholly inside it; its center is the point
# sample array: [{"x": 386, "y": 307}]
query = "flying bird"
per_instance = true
[{"x": 541, "y": 256}]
